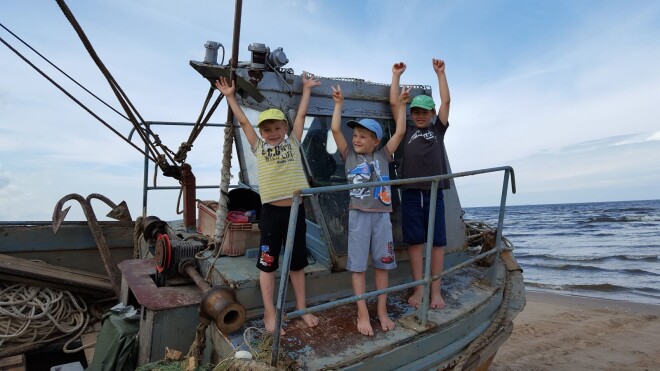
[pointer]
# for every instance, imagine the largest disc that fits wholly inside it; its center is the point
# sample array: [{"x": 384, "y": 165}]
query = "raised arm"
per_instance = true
[
  {"x": 335, "y": 127},
  {"x": 229, "y": 93},
  {"x": 397, "y": 70},
  {"x": 443, "y": 110},
  {"x": 299, "y": 123},
  {"x": 400, "y": 118}
]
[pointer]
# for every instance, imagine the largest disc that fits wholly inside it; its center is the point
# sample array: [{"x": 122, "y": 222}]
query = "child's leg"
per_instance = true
[
  {"x": 359, "y": 287},
  {"x": 437, "y": 261},
  {"x": 415, "y": 252},
  {"x": 267, "y": 284},
  {"x": 414, "y": 234},
  {"x": 381, "y": 283},
  {"x": 298, "y": 283},
  {"x": 438, "y": 253}
]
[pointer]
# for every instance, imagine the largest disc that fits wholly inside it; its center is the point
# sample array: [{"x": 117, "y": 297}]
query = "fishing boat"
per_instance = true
[{"x": 194, "y": 283}]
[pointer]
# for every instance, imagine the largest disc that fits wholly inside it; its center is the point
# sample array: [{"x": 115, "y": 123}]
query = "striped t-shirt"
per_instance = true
[{"x": 279, "y": 169}]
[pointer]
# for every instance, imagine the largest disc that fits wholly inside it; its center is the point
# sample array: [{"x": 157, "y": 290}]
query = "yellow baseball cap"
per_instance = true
[{"x": 271, "y": 114}]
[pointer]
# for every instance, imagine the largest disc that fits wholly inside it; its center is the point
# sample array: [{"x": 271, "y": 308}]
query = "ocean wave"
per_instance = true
[
  {"x": 603, "y": 287},
  {"x": 637, "y": 210},
  {"x": 578, "y": 267},
  {"x": 651, "y": 257},
  {"x": 620, "y": 219}
]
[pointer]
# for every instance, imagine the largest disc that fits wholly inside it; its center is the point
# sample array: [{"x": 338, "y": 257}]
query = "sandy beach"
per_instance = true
[{"x": 557, "y": 332}]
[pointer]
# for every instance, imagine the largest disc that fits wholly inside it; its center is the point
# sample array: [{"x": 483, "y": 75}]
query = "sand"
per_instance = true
[{"x": 557, "y": 332}]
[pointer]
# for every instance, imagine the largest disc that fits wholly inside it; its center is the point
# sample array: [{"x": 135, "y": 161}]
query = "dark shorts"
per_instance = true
[
  {"x": 273, "y": 223},
  {"x": 415, "y": 217}
]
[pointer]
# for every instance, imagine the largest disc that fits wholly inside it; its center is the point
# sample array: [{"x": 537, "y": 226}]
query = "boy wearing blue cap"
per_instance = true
[
  {"x": 280, "y": 171},
  {"x": 423, "y": 155},
  {"x": 369, "y": 225}
]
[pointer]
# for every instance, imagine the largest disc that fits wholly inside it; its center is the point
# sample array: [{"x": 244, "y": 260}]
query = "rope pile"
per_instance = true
[
  {"x": 478, "y": 232},
  {"x": 260, "y": 343},
  {"x": 31, "y": 315}
]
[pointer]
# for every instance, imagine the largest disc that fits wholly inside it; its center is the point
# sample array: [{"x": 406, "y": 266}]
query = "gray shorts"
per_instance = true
[{"x": 369, "y": 233}]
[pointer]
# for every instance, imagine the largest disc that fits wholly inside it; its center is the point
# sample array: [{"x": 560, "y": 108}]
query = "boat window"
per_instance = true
[
  {"x": 326, "y": 168},
  {"x": 248, "y": 163},
  {"x": 325, "y": 163}
]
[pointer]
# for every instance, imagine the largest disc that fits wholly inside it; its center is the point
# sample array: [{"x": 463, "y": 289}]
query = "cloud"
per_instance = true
[
  {"x": 529, "y": 88},
  {"x": 596, "y": 170}
]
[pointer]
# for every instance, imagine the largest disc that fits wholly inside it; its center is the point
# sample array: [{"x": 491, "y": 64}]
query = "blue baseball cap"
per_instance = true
[{"x": 369, "y": 124}]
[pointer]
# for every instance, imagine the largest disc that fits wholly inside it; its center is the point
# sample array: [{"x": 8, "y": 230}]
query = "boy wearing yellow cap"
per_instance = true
[
  {"x": 424, "y": 155},
  {"x": 369, "y": 225},
  {"x": 280, "y": 171}
]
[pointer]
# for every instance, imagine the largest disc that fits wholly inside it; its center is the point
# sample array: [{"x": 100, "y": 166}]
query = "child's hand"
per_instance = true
[
  {"x": 226, "y": 89},
  {"x": 309, "y": 81},
  {"x": 438, "y": 65},
  {"x": 404, "y": 97},
  {"x": 398, "y": 68},
  {"x": 337, "y": 94}
]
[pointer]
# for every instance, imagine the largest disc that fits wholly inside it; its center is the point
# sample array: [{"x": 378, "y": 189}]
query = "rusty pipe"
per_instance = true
[
  {"x": 218, "y": 305},
  {"x": 189, "y": 196}
]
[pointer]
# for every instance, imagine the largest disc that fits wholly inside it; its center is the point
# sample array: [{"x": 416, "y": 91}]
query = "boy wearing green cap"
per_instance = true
[
  {"x": 369, "y": 225},
  {"x": 280, "y": 171},
  {"x": 424, "y": 155}
]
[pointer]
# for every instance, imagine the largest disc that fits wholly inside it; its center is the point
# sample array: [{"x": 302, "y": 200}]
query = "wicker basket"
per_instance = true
[{"x": 238, "y": 237}]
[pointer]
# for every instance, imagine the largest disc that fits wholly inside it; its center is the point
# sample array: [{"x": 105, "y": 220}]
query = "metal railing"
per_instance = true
[
  {"x": 422, "y": 311},
  {"x": 145, "y": 180}
]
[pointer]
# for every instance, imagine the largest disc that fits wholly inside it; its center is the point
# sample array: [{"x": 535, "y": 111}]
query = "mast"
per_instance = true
[{"x": 225, "y": 172}]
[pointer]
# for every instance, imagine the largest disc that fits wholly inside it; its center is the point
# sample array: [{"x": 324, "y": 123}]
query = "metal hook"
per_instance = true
[{"x": 121, "y": 211}]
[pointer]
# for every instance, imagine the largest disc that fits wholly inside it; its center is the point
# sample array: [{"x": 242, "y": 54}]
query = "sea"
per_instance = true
[{"x": 607, "y": 250}]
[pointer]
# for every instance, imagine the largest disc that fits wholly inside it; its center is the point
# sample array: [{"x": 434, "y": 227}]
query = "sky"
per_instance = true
[{"x": 565, "y": 92}]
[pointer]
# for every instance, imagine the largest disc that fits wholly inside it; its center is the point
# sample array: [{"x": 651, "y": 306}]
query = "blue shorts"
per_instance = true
[{"x": 415, "y": 217}]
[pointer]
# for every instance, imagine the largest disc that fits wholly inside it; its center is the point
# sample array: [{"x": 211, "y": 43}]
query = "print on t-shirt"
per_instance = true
[{"x": 362, "y": 173}]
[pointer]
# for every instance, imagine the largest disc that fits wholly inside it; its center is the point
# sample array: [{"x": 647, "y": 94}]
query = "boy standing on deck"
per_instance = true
[
  {"x": 369, "y": 225},
  {"x": 280, "y": 170},
  {"x": 424, "y": 155}
]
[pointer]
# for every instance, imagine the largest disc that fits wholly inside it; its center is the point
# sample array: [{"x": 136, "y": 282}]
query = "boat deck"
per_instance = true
[{"x": 337, "y": 343}]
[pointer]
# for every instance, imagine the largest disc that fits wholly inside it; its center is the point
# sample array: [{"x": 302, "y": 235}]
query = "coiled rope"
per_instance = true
[
  {"x": 494, "y": 327},
  {"x": 477, "y": 232},
  {"x": 31, "y": 315}
]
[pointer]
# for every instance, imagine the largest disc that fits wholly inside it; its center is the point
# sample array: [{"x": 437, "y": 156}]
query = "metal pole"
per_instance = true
[
  {"x": 422, "y": 313},
  {"x": 284, "y": 277},
  {"x": 145, "y": 181},
  {"x": 225, "y": 172},
  {"x": 500, "y": 218}
]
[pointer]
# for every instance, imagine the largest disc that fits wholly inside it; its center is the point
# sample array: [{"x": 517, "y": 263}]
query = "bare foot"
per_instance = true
[
  {"x": 269, "y": 323},
  {"x": 386, "y": 323},
  {"x": 416, "y": 298},
  {"x": 364, "y": 325},
  {"x": 437, "y": 302},
  {"x": 310, "y": 319}
]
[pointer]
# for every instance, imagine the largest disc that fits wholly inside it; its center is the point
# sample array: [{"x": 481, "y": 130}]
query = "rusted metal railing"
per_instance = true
[{"x": 422, "y": 311}]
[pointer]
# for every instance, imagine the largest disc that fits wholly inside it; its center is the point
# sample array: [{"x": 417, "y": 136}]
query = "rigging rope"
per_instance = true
[
  {"x": 72, "y": 97},
  {"x": 63, "y": 73},
  {"x": 140, "y": 126}
]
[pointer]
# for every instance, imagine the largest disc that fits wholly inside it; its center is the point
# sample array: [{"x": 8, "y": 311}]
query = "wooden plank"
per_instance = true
[
  {"x": 52, "y": 274},
  {"x": 13, "y": 363},
  {"x": 89, "y": 338}
]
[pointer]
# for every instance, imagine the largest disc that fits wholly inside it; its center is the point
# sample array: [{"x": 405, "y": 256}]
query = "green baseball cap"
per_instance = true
[
  {"x": 423, "y": 101},
  {"x": 271, "y": 114}
]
